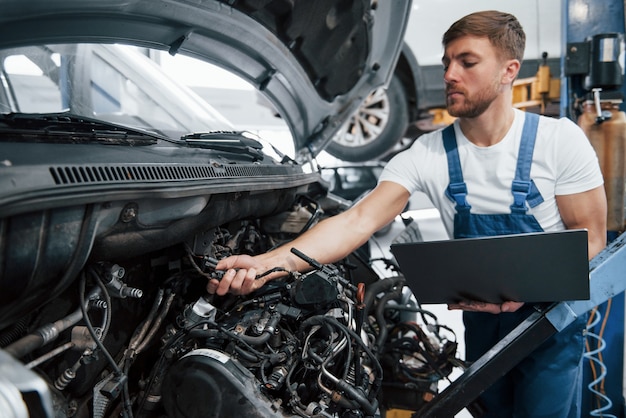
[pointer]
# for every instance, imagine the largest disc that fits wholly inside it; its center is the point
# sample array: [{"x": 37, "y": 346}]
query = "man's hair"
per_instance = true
[{"x": 502, "y": 29}]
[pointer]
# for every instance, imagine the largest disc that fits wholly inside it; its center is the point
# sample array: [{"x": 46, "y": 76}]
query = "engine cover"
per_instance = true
[{"x": 207, "y": 383}]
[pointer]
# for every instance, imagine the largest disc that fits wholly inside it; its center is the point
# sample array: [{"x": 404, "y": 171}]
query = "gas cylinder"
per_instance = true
[{"x": 607, "y": 135}]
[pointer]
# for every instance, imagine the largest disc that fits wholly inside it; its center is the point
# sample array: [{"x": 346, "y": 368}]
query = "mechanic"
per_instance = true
[{"x": 489, "y": 145}]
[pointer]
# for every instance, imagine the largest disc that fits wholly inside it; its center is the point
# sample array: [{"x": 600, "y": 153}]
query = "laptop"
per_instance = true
[{"x": 531, "y": 267}]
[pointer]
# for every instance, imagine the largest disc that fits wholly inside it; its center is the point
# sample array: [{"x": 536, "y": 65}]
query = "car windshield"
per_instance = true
[{"x": 111, "y": 83}]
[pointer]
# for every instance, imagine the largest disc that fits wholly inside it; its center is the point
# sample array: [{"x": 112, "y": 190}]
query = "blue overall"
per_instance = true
[{"x": 547, "y": 382}]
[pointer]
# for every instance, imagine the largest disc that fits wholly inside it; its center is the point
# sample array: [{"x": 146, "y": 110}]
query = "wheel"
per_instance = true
[{"x": 375, "y": 128}]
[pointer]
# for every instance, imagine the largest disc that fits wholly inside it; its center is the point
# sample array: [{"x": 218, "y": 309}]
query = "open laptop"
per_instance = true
[{"x": 531, "y": 267}]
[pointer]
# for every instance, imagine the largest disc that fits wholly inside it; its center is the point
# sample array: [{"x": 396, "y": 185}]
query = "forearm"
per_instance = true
[
  {"x": 597, "y": 242},
  {"x": 328, "y": 241},
  {"x": 334, "y": 238}
]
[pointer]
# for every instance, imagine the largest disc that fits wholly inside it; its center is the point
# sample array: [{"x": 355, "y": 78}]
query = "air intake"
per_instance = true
[{"x": 74, "y": 174}]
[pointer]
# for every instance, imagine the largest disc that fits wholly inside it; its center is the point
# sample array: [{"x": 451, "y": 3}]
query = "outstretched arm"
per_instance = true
[{"x": 328, "y": 241}]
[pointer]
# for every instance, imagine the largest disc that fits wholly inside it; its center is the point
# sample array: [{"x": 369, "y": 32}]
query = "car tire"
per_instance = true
[{"x": 375, "y": 128}]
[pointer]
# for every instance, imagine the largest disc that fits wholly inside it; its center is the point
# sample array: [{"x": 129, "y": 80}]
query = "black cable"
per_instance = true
[
  {"x": 107, "y": 299},
  {"x": 322, "y": 319},
  {"x": 126, "y": 410},
  {"x": 428, "y": 352},
  {"x": 92, "y": 331},
  {"x": 273, "y": 270},
  {"x": 422, "y": 313},
  {"x": 380, "y": 316}
]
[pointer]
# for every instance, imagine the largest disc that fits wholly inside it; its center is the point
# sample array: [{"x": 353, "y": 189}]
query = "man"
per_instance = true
[{"x": 483, "y": 183}]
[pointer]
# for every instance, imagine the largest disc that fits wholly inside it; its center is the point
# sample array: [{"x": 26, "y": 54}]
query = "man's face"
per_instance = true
[{"x": 473, "y": 76}]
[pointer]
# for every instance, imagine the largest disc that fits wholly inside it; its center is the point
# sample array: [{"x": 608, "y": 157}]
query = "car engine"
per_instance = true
[
  {"x": 107, "y": 241},
  {"x": 143, "y": 338}
]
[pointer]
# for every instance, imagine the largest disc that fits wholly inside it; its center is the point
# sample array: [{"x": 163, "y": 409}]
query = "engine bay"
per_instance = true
[{"x": 141, "y": 337}]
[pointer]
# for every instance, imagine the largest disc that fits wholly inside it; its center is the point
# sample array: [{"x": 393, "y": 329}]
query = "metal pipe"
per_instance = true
[{"x": 43, "y": 335}]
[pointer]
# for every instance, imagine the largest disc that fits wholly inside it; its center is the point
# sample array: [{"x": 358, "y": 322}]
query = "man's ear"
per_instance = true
[{"x": 511, "y": 70}]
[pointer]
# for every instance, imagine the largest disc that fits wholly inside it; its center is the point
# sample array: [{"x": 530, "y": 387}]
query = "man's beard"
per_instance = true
[{"x": 474, "y": 107}]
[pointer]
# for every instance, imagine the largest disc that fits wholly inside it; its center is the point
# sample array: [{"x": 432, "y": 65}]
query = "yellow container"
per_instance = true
[{"x": 398, "y": 413}]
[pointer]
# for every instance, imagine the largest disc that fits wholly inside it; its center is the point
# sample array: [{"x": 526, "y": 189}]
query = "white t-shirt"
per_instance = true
[{"x": 564, "y": 162}]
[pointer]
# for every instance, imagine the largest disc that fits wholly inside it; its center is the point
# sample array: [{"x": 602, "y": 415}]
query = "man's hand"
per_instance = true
[
  {"x": 240, "y": 277},
  {"x": 494, "y": 308}
]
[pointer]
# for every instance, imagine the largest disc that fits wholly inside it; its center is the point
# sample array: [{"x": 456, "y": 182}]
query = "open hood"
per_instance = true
[{"x": 314, "y": 60}]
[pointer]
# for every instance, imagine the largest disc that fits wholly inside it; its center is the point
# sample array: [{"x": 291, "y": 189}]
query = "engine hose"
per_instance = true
[
  {"x": 157, "y": 323},
  {"x": 321, "y": 320},
  {"x": 236, "y": 337},
  {"x": 25, "y": 345},
  {"x": 43, "y": 335},
  {"x": 126, "y": 411},
  {"x": 256, "y": 340},
  {"x": 379, "y": 287},
  {"x": 46, "y": 333},
  {"x": 295, "y": 397},
  {"x": 141, "y": 332},
  {"x": 327, "y": 320},
  {"x": 245, "y": 354},
  {"x": 380, "y": 317},
  {"x": 14, "y": 333},
  {"x": 357, "y": 395},
  {"x": 106, "y": 321},
  {"x": 344, "y": 402}
]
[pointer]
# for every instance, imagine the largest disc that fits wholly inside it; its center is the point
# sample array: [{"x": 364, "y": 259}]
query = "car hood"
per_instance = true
[{"x": 314, "y": 60}]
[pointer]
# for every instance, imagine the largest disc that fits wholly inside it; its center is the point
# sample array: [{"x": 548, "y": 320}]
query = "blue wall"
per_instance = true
[{"x": 582, "y": 19}]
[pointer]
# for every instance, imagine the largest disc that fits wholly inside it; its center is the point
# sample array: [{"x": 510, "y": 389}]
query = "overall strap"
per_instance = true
[
  {"x": 457, "y": 189},
  {"x": 523, "y": 188}
]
